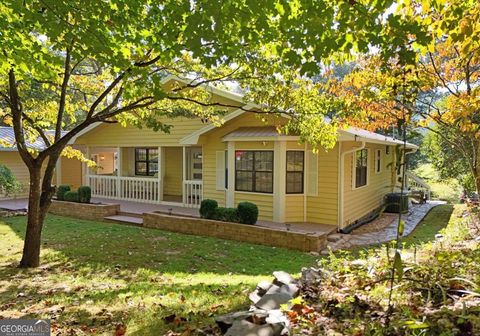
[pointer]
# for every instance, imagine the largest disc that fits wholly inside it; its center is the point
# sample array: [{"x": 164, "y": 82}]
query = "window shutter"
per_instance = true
[
  {"x": 312, "y": 174},
  {"x": 220, "y": 167}
]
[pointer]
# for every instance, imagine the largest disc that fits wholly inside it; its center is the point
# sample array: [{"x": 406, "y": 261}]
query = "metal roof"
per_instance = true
[{"x": 7, "y": 135}]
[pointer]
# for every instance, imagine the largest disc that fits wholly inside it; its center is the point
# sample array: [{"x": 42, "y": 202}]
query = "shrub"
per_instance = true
[
  {"x": 61, "y": 191},
  {"x": 247, "y": 212},
  {"x": 8, "y": 182},
  {"x": 207, "y": 208},
  {"x": 226, "y": 214},
  {"x": 84, "y": 194},
  {"x": 71, "y": 196}
]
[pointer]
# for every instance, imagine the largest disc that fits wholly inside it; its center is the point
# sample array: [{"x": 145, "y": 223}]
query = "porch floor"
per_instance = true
[{"x": 140, "y": 208}]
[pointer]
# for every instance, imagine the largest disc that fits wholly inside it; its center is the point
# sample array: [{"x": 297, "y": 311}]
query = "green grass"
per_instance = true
[
  {"x": 436, "y": 220},
  {"x": 97, "y": 275}
]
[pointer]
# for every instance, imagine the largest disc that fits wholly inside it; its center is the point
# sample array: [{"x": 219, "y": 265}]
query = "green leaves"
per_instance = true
[
  {"x": 398, "y": 265},
  {"x": 401, "y": 227}
]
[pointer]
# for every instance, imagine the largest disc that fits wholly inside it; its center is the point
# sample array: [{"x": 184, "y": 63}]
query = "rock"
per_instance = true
[
  {"x": 283, "y": 277},
  {"x": 276, "y": 316},
  {"x": 264, "y": 285},
  {"x": 315, "y": 254},
  {"x": 325, "y": 252},
  {"x": 438, "y": 236},
  {"x": 273, "y": 301},
  {"x": 290, "y": 289},
  {"x": 245, "y": 328},
  {"x": 311, "y": 275},
  {"x": 224, "y": 322},
  {"x": 255, "y": 296},
  {"x": 334, "y": 237}
]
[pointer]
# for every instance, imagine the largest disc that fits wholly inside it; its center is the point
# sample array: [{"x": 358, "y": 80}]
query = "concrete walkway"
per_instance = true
[
  {"x": 14, "y": 204},
  {"x": 338, "y": 241}
]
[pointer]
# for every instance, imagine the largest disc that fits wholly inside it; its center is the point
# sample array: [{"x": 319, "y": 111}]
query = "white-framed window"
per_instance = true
[
  {"x": 361, "y": 168},
  {"x": 378, "y": 161}
]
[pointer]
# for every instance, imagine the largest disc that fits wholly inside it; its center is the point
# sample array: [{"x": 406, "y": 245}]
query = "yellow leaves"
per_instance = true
[{"x": 72, "y": 153}]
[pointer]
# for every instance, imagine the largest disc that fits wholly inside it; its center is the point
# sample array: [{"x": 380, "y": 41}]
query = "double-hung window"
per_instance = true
[
  {"x": 295, "y": 172},
  {"x": 361, "y": 170},
  {"x": 254, "y": 171},
  {"x": 146, "y": 161}
]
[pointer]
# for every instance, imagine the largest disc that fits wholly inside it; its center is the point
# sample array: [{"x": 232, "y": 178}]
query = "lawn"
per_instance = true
[{"x": 95, "y": 276}]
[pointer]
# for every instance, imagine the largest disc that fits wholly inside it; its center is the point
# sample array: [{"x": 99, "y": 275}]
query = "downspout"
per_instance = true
[{"x": 342, "y": 181}]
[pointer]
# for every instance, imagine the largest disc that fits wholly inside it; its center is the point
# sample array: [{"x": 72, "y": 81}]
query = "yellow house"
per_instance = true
[{"x": 245, "y": 159}]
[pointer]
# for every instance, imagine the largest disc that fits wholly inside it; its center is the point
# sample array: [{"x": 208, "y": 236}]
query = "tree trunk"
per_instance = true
[
  {"x": 31, "y": 247},
  {"x": 39, "y": 200}
]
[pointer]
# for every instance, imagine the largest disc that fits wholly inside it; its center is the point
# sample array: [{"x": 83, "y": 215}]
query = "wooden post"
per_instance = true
[
  {"x": 118, "y": 193},
  {"x": 184, "y": 174},
  {"x": 160, "y": 174}
]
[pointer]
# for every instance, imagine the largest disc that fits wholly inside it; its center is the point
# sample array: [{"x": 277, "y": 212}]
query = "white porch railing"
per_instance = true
[
  {"x": 416, "y": 183},
  {"x": 192, "y": 193},
  {"x": 139, "y": 189}
]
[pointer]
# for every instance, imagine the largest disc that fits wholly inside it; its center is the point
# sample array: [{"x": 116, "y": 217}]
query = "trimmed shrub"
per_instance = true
[
  {"x": 247, "y": 212},
  {"x": 61, "y": 191},
  {"x": 84, "y": 194},
  {"x": 226, "y": 214},
  {"x": 207, "y": 208},
  {"x": 71, "y": 196}
]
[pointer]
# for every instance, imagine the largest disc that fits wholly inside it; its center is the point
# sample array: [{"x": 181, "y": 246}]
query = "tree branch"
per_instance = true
[{"x": 63, "y": 95}]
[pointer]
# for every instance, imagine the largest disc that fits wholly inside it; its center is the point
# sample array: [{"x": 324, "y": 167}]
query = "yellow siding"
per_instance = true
[
  {"x": 116, "y": 135},
  {"x": 13, "y": 161},
  {"x": 106, "y": 162},
  {"x": 71, "y": 172},
  {"x": 263, "y": 201},
  {"x": 294, "y": 208},
  {"x": 323, "y": 208},
  {"x": 359, "y": 202},
  {"x": 212, "y": 142},
  {"x": 172, "y": 184}
]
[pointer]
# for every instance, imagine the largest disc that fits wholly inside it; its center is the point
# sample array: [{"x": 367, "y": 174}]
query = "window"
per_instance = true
[
  {"x": 378, "y": 161},
  {"x": 295, "y": 169},
  {"x": 361, "y": 160},
  {"x": 254, "y": 171},
  {"x": 146, "y": 161}
]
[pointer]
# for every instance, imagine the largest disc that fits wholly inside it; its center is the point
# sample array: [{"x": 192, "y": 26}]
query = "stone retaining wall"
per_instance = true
[
  {"x": 233, "y": 231},
  {"x": 83, "y": 210}
]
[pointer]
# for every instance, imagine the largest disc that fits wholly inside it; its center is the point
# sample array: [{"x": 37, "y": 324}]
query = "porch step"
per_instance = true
[
  {"x": 130, "y": 214},
  {"x": 125, "y": 220}
]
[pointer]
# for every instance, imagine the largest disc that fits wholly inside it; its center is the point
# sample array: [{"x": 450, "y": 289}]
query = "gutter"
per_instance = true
[{"x": 342, "y": 181}]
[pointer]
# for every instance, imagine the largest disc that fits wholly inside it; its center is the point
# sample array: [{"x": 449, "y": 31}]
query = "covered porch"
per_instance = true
[{"x": 156, "y": 175}]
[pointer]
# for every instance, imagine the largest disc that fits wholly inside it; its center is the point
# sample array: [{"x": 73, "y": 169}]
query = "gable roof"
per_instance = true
[{"x": 349, "y": 134}]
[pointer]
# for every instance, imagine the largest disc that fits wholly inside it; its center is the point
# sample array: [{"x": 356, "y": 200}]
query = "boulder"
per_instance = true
[
  {"x": 273, "y": 301},
  {"x": 282, "y": 277},
  {"x": 290, "y": 289},
  {"x": 226, "y": 321},
  {"x": 245, "y": 328}
]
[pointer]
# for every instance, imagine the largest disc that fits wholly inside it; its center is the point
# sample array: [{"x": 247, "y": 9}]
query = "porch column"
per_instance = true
[
  {"x": 86, "y": 180},
  {"x": 119, "y": 172},
  {"x": 160, "y": 174},
  {"x": 279, "y": 163},
  {"x": 230, "y": 195},
  {"x": 58, "y": 171},
  {"x": 184, "y": 174}
]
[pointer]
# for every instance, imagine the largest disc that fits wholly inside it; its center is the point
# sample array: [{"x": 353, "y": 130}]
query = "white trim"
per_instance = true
[
  {"x": 230, "y": 194},
  {"x": 354, "y": 170},
  {"x": 279, "y": 180},
  {"x": 261, "y": 138},
  {"x": 192, "y": 139},
  {"x": 378, "y": 156},
  {"x": 58, "y": 172},
  {"x": 342, "y": 182}
]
